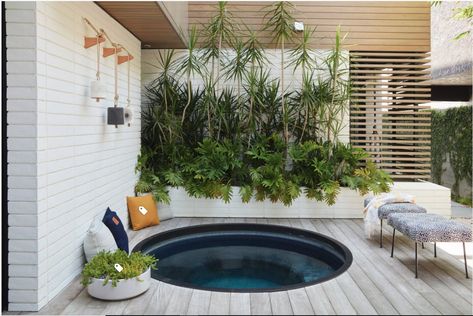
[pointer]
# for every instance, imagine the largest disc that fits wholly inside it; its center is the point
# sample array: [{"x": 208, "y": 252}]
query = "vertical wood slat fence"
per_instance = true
[{"x": 389, "y": 116}]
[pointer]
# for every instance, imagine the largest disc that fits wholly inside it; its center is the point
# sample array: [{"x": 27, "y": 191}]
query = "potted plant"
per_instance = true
[{"x": 117, "y": 275}]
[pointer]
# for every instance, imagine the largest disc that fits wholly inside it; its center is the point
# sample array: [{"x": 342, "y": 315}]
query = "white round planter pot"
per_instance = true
[{"x": 125, "y": 289}]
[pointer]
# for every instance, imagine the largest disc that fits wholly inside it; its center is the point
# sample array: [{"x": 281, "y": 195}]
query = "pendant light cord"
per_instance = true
[
  {"x": 128, "y": 70},
  {"x": 115, "y": 100},
  {"x": 98, "y": 57}
]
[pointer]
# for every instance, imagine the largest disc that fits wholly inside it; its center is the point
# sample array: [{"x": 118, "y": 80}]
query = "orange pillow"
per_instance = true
[{"x": 143, "y": 211}]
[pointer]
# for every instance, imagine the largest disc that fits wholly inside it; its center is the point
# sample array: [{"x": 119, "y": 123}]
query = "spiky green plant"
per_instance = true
[
  {"x": 339, "y": 86},
  {"x": 235, "y": 69},
  {"x": 191, "y": 64},
  {"x": 303, "y": 56},
  {"x": 280, "y": 22},
  {"x": 220, "y": 31}
]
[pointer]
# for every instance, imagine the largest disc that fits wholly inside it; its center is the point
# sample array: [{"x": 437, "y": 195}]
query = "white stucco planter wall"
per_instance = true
[{"x": 349, "y": 204}]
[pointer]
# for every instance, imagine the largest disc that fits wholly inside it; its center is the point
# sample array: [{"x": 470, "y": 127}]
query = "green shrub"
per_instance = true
[
  {"x": 451, "y": 138},
  {"x": 264, "y": 172},
  {"x": 102, "y": 266}
]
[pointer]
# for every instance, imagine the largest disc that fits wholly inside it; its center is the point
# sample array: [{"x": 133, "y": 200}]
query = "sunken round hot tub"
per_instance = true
[{"x": 245, "y": 257}]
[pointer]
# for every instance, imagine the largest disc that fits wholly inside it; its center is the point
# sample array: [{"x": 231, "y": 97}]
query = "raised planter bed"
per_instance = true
[{"x": 435, "y": 198}]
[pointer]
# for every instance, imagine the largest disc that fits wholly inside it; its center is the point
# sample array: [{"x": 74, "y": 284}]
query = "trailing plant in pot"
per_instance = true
[{"x": 117, "y": 275}]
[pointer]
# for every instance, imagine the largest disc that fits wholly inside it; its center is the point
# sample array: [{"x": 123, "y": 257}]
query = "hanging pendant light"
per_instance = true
[
  {"x": 115, "y": 114},
  {"x": 98, "y": 90}
]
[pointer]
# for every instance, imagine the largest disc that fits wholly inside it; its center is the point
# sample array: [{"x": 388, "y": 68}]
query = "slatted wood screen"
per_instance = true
[{"x": 388, "y": 113}]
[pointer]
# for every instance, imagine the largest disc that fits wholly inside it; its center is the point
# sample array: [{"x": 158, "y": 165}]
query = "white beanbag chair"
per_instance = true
[{"x": 98, "y": 238}]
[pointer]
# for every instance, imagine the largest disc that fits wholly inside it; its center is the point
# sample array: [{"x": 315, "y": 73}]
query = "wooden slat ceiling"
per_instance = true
[
  {"x": 146, "y": 20},
  {"x": 377, "y": 26}
]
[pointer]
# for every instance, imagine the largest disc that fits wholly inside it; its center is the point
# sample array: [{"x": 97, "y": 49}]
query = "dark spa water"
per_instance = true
[
  {"x": 242, "y": 267},
  {"x": 246, "y": 260}
]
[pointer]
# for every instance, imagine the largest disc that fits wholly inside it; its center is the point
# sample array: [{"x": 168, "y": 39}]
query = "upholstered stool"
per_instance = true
[
  {"x": 430, "y": 228},
  {"x": 391, "y": 208}
]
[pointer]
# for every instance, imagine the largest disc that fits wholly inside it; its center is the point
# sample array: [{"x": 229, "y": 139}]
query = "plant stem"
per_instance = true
[{"x": 285, "y": 131}]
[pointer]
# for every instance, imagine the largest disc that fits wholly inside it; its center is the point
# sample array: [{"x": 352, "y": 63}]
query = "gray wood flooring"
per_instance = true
[{"x": 374, "y": 284}]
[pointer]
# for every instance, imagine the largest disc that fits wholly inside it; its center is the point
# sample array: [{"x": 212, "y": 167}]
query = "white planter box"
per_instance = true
[
  {"x": 349, "y": 204},
  {"x": 125, "y": 289}
]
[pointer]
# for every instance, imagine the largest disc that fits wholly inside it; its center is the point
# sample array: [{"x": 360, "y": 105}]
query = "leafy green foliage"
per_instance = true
[
  {"x": 451, "y": 140},
  {"x": 273, "y": 143},
  {"x": 102, "y": 266},
  {"x": 464, "y": 13},
  {"x": 209, "y": 174}
]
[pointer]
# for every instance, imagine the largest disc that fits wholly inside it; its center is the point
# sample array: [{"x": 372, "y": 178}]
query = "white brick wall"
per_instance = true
[{"x": 65, "y": 165}]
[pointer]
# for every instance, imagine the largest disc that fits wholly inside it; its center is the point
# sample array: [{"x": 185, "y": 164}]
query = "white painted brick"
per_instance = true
[
  {"x": 23, "y": 270},
  {"x": 20, "y": 5},
  {"x": 22, "y": 144},
  {"x": 21, "y": 67},
  {"x": 23, "y": 29},
  {"x": 22, "y": 245},
  {"x": 21, "y": 169},
  {"x": 22, "y": 220},
  {"x": 22, "y": 233},
  {"x": 23, "y": 54},
  {"x": 21, "y": 131},
  {"x": 21, "y": 106},
  {"x": 22, "y": 207},
  {"x": 22, "y": 157},
  {"x": 21, "y": 41},
  {"x": 21, "y": 80},
  {"x": 20, "y": 16},
  {"x": 60, "y": 139},
  {"x": 27, "y": 93},
  {"x": 22, "y": 296},
  {"x": 26, "y": 307},
  {"x": 22, "y": 257},
  {"x": 21, "y": 118}
]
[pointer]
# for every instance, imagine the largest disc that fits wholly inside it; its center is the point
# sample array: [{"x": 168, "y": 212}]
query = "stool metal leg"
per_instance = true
[
  {"x": 381, "y": 235},
  {"x": 392, "y": 244},
  {"x": 423, "y": 246},
  {"x": 435, "y": 249},
  {"x": 464, "y": 257},
  {"x": 416, "y": 257}
]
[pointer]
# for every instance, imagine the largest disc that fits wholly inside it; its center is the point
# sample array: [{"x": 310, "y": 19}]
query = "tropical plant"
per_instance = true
[
  {"x": 273, "y": 142},
  {"x": 218, "y": 32},
  {"x": 337, "y": 106},
  {"x": 190, "y": 65},
  {"x": 210, "y": 173},
  {"x": 304, "y": 57},
  {"x": 462, "y": 13},
  {"x": 280, "y": 23},
  {"x": 102, "y": 266}
]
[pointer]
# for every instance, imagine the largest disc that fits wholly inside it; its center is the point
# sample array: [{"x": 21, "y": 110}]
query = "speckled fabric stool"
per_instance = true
[
  {"x": 430, "y": 228},
  {"x": 392, "y": 208}
]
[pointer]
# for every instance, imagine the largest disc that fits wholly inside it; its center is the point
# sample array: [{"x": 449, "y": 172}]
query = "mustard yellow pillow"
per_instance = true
[{"x": 143, "y": 211}]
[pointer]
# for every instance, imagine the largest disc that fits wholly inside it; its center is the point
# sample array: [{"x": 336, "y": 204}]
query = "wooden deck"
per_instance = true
[{"x": 374, "y": 284}]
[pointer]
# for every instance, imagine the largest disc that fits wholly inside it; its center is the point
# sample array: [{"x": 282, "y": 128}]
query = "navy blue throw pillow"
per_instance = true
[{"x": 113, "y": 222}]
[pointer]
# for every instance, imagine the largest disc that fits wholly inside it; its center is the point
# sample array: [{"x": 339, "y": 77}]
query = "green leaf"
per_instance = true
[{"x": 102, "y": 266}]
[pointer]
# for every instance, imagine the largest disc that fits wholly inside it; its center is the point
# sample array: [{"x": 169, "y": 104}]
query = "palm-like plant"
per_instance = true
[
  {"x": 339, "y": 86},
  {"x": 235, "y": 68},
  {"x": 220, "y": 31},
  {"x": 280, "y": 24},
  {"x": 303, "y": 56},
  {"x": 254, "y": 55},
  {"x": 190, "y": 65}
]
